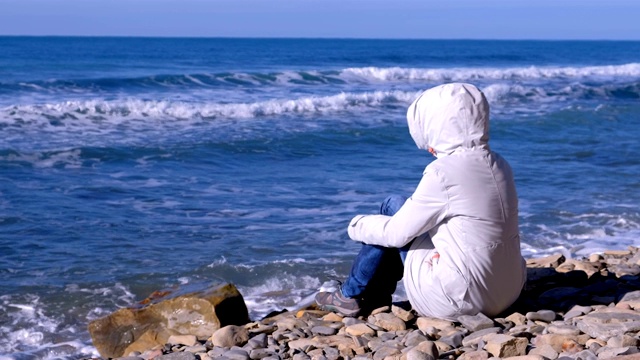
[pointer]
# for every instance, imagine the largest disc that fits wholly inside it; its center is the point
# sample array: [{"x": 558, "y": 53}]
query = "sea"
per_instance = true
[{"x": 129, "y": 165}]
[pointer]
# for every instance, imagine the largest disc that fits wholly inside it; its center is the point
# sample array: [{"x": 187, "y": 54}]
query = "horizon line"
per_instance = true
[{"x": 311, "y": 38}]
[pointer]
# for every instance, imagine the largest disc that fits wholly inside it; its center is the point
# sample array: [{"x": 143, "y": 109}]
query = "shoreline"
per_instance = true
[{"x": 585, "y": 308}]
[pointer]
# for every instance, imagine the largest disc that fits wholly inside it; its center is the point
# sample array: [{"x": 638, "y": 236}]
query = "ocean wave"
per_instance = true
[
  {"x": 469, "y": 74},
  {"x": 355, "y": 75},
  {"x": 101, "y": 112},
  {"x": 78, "y": 113}
]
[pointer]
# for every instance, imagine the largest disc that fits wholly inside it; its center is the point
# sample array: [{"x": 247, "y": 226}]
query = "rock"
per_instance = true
[
  {"x": 622, "y": 341},
  {"x": 385, "y": 351},
  {"x": 359, "y": 329},
  {"x": 177, "y": 356},
  {"x": 190, "y": 310},
  {"x": 332, "y": 317},
  {"x": 609, "y": 322},
  {"x": 188, "y": 340},
  {"x": 500, "y": 345},
  {"x": 473, "y": 338},
  {"x": 541, "y": 315},
  {"x": 414, "y": 338},
  {"x": 428, "y": 347},
  {"x": 617, "y": 253},
  {"x": 426, "y": 322},
  {"x": 257, "y": 342},
  {"x": 323, "y": 330},
  {"x": 415, "y": 354},
  {"x": 632, "y": 299},
  {"x": 236, "y": 354},
  {"x": 475, "y": 322},
  {"x": 517, "y": 318},
  {"x": 290, "y": 323},
  {"x": 554, "y": 340},
  {"x": 474, "y": 355},
  {"x": 545, "y": 351},
  {"x": 607, "y": 353},
  {"x": 230, "y": 335},
  {"x": 577, "y": 310},
  {"x": 454, "y": 340},
  {"x": 402, "y": 313},
  {"x": 388, "y": 321},
  {"x": 563, "y": 329},
  {"x": 551, "y": 261}
]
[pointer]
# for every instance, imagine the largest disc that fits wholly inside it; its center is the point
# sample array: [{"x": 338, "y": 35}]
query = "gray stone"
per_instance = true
[
  {"x": 473, "y": 338},
  {"x": 428, "y": 347},
  {"x": 301, "y": 356},
  {"x": 331, "y": 353},
  {"x": 415, "y": 354},
  {"x": 576, "y": 311},
  {"x": 563, "y": 329},
  {"x": 236, "y": 354},
  {"x": 258, "y": 341},
  {"x": 385, "y": 351},
  {"x": 541, "y": 315},
  {"x": 609, "y": 322},
  {"x": 261, "y": 353},
  {"x": 177, "y": 356},
  {"x": 622, "y": 341},
  {"x": 475, "y": 355},
  {"x": 454, "y": 340},
  {"x": 585, "y": 355},
  {"x": 196, "y": 349},
  {"x": 546, "y": 351},
  {"x": 632, "y": 299},
  {"x": 475, "y": 322},
  {"x": 323, "y": 330},
  {"x": 230, "y": 335},
  {"x": 609, "y": 352},
  {"x": 414, "y": 338}
]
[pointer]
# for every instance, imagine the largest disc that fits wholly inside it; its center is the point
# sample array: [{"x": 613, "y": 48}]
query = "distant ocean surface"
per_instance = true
[{"x": 129, "y": 165}]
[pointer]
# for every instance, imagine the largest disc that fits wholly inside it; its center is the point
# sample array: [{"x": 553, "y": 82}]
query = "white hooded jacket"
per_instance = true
[{"x": 466, "y": 202}]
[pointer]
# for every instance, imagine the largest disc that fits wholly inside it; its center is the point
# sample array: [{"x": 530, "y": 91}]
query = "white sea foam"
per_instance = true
[
  {"x": 470, "y": 74},
  {"x": 284, "y": 291}
]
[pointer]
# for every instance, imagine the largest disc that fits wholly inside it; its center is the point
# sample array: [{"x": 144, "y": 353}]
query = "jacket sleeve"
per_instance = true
[{"x": 426, "y": 208}]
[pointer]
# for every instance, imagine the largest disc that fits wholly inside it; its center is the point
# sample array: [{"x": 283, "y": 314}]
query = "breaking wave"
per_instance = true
[{"x": 357, "y": 75}]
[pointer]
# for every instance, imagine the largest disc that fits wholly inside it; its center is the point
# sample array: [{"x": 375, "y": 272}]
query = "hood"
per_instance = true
[{"x": 450, "y": 117}]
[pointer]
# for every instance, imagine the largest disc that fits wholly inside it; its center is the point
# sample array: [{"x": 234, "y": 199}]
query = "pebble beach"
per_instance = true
[{"x": 586, "y": 308}]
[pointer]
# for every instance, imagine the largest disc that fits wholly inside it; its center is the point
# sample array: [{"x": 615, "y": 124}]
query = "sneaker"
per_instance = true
[{"x": 335, "y": 301}]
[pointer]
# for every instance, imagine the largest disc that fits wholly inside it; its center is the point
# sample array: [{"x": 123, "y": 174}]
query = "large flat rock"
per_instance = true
[{"x": 193, "y": 310}]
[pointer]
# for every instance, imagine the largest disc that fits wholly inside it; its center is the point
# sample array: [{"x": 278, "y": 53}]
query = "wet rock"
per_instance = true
[{"x": 191, "y": 310}]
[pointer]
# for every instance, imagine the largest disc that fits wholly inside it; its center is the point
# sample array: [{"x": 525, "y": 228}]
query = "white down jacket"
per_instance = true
[{"x": 466, "y": 202}]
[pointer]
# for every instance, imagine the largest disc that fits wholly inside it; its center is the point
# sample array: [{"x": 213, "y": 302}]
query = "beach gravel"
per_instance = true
[{"x": 574, "y": 309}]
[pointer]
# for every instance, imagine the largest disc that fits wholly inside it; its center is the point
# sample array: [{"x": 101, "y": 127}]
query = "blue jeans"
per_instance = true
[{"x": 377, "y": 269}]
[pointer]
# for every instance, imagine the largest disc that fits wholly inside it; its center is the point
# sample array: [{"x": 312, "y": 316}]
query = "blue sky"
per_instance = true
[{"x": 441, "y": 19}]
